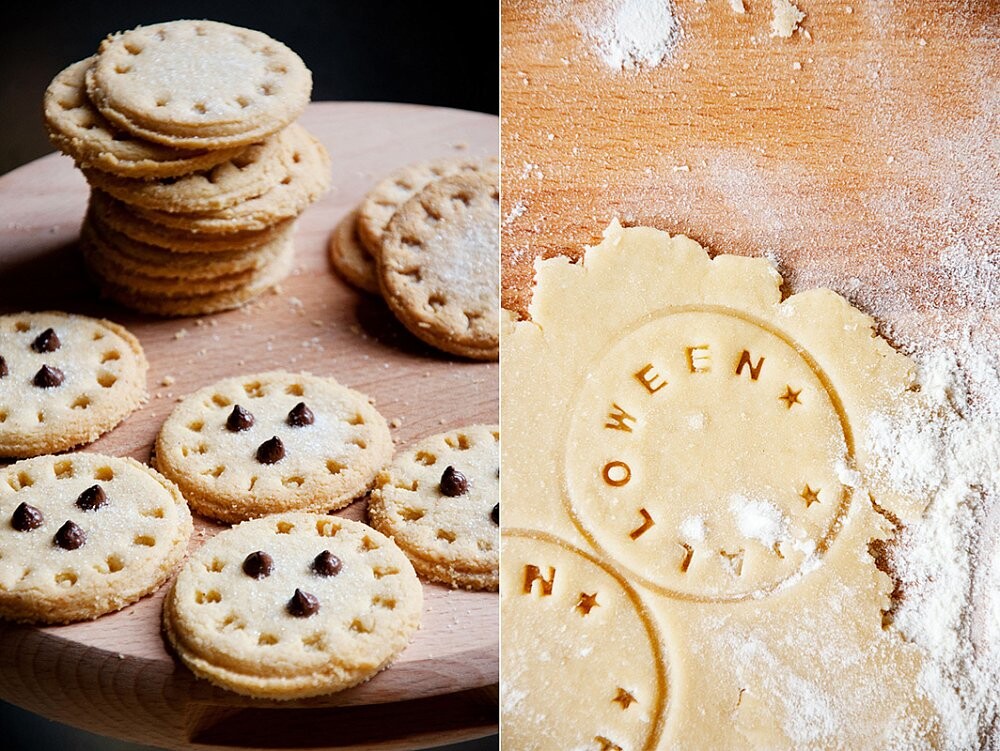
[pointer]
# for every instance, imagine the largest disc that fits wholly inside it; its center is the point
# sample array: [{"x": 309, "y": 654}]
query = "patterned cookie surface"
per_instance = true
[
  {"x": 439, "y": 268},
  {"x": 389, "y": 195},
  {"x": 244, "y": 446},
  {"x": 79, "y": 130},
  {"x": 306, "y": 178},
  {"x": 198, "y": 84},
  {"x": 84, "y": 534},
  {"x": 349, "y": 257},
  {"x": 293, "y": 605},
  {"x": 64, "y": 381},
  {"x": 251, "y": 172},
  {"x": 439, "y": 500}
]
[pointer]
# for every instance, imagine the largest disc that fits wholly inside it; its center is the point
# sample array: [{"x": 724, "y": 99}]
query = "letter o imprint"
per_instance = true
[{"x": 621, "y": 477}]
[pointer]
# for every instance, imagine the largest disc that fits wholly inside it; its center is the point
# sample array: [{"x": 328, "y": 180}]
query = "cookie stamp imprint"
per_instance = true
[
  {"x": 712, "y": 524},
  {"x": 560, "y": 606}
]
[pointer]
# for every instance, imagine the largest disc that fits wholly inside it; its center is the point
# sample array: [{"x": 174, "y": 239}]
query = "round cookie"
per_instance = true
[
  {"x": 77, "y": 129},
  {"x": 440, "y": 502},
  {"x": 65, "y": 380},
  {"x": 117, "y": 215},
  {"x": 389, "y": 195},
  {"x": 293, "y": 605},
  {"x": 439, "y": 265},
  {"x": 84, "y": 534},
  {"x": 251, "y": 172},
  {"x": 192, "y": 305},
  {"x": 150, "y": 260},
  {"x": 198, "y": 84},
  {"x": 106, "y": 267},
  {"x": 349, "y": 257},
  {"x": 273, "y": 442},
  {"x": 306, "y": 178}
]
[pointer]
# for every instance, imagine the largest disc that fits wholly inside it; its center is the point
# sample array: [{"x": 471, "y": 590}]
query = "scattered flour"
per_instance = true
[
  {"x": 693, "y": 529},
  {"x": 633, "y": 34},
  {"x": 949, "y": 451},
  {"x": 758, "y": 520}
]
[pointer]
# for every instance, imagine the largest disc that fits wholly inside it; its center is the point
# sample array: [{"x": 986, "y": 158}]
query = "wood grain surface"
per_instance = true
[
  {"x": 115, "y": 675},
  {"x": 864, "y": 157}
]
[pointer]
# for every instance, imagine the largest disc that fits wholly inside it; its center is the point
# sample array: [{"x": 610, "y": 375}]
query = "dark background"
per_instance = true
[
  {"x": 420, "y": 51},
  {"x": 438, "y": 53}
]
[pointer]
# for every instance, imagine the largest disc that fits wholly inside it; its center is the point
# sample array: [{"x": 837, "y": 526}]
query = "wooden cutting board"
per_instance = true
[
  {"x": 115, "y": 676},
  {"x": 864, "y": 157}
]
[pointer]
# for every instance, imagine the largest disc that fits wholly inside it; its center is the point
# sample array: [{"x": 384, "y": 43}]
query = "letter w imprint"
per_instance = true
[
  {"x": 745, "y": 362},
  {"x": 618, "y": 419},
  {"x": 533, "y": 574}
]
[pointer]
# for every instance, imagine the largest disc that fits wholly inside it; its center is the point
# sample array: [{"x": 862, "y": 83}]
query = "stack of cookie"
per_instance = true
[
  {"x": 427, "y": 239},
  {"x": 185, "y": 132}
]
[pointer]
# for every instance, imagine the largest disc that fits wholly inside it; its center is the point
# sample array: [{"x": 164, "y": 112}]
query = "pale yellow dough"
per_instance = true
[{"x": 680, "y": 440}]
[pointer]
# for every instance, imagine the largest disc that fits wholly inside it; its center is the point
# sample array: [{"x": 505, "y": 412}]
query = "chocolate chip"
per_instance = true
[
  {"x": 26, "y": 518},
  {"x": 301, "y": 415},
  {"x": 258, "y": 565},
  {"x": 47, "y": 341},
  {"x": 47, "y": 377},
  {"x": 327, "y": 564},
  {"x": 303, "y": 604},
  {"x": 453, "y": 482},
  {"x": 271, "y": 451},
  {"x": 70, "y": 536},
  {"x": 495, "y": 515},
  {"x": 239, "y": 420},
  {"x": 92, "y": 498},
  {"x": 3, "y": 368}
]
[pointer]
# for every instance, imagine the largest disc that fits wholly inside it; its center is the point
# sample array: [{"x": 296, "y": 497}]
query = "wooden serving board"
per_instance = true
[
  {"x": 864, "y": 157},
  {"x": 115, "y": 675}
]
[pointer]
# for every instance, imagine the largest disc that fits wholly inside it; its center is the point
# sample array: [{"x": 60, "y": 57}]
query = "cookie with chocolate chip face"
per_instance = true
[
  {"x": 84, "y": 534},
  {"x": 64, "y": 381},
  {"x": 273, "y": 442},
  {"x": 293, "y": 605},
  {"x": 440, "y": 501}
]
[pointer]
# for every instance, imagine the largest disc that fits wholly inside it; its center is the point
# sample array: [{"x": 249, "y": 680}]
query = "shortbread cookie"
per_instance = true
[
  {"x": 349, "y": 257},
  {"x": 198, "y": 84},
  {"x": 64, "y": 381},
  {"x": 118, "y": 216},
  {"x": 251, "y": 172},
  {"x": 440, "y": 501},
  {"x": 77, "y": 128},
  {"x": 150, "y": 260},
  {"x": 273, "y": 442},
  {"x": 84, "y": 534},
  {"x": 192, "y": 305},
  {"x": 306, "y": 178},
  {"x": 293, "y": 605},
  {"x": 389, "y": 195},
  {"x": 106, "y": 268},
  {"x": 439, "y": 266}
]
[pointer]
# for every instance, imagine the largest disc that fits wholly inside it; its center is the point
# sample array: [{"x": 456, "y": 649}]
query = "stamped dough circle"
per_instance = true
[
  {"x": 705, "y": 453},
  {"x": 582, "y": 662}
]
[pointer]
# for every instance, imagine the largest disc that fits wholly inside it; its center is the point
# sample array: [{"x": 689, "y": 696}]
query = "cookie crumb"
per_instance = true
[
  {"x": 395, "y": 422},
  {"x": 180, "y": 333},
  {"x": 786, "y": 19},
  {"x": 167, "y": 380}
]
